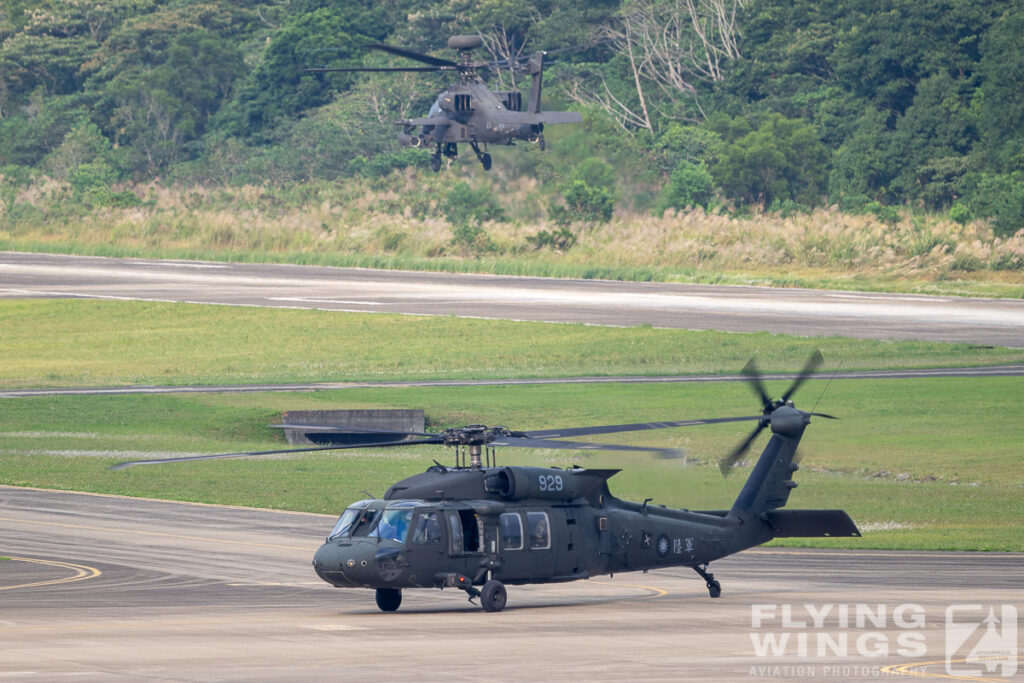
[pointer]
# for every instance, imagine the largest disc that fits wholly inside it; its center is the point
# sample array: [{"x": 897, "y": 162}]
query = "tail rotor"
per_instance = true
[{"x": 769, "y": 405}]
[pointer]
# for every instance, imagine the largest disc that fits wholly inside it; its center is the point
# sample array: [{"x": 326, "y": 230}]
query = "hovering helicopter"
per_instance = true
[
  {"x": 470, "y": 112},
  {"x": 478, "y": 527}
]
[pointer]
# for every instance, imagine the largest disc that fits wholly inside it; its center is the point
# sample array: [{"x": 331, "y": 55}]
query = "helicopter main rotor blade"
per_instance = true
[
  {"x": 409, "y": 54},
  {"x": 637, "y": 427},
  {"x": 527, "y": 442},
  {"x": 325, "y": 69},
  {"x": 226, "y": 456},
  {"x": 345, "y": 429}
]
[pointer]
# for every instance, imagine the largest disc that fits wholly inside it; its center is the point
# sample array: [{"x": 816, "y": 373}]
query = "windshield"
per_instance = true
[
  {"x": 344, "y": 525},
  {"x": 354, "y": 519},
  {"x": 393, "y": 524}
]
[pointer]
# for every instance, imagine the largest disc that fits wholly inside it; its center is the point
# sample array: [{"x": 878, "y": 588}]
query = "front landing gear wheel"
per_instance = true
[
  {"x": 485, "y": 159},
  {"x": 493, "y": 596},
  {"x": 435, "y": 163},
  {"x": 389, "y": 599}
]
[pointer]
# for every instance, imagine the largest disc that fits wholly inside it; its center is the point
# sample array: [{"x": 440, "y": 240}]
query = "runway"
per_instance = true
[
  {"x": 109, "y": 588},
  {"x": 997, "y": 322}
]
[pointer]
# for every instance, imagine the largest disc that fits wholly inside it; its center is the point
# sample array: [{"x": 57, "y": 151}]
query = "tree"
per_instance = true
[
  {"x": 1000, "y": 98},
  {"x": 666, "y": 48},
  {"x": 781, "y": 159}
]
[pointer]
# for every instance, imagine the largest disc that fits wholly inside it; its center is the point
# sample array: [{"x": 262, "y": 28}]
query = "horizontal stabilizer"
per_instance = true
[
  {"x": 810, "y": 523},
  {"x": 431, "y": 121}
]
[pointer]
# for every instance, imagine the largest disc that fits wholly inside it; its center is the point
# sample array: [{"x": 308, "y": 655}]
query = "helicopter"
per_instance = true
[
  {"x": 469, "y": 112},
  {"x": 477, "y": 527}
]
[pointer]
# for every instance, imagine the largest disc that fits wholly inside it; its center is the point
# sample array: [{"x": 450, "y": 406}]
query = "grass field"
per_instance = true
[
  {"x": 74, "y": 343},
  {"x": 925, "y": 464}
]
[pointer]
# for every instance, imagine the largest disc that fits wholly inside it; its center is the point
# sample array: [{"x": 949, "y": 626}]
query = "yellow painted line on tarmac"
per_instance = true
[
  {"x": 657, "y": 592},
  {"x": 916, "y": 669},
  {"x": 131, "y": 625},
  {"x": 81, "y": 573},
  {"x": 157, "y": 534}
]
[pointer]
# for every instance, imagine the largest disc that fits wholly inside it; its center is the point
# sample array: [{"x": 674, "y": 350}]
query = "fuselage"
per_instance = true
[{"x": 524, "y": 525}]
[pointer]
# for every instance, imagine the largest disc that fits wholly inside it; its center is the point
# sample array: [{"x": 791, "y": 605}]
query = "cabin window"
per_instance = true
[
  {"x": 511, "y": 531},
  {"x": 428, "y": 529},
  {"x": 540, "y": 530},
  {"x": 463, "y": 532},
  {"x": 455, "y": 533}
]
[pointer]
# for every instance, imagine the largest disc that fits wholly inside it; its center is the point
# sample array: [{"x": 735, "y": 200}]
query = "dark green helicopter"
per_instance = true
[
  {"x": 467, "y": 111},
  {"x": 478, "y": 527}
]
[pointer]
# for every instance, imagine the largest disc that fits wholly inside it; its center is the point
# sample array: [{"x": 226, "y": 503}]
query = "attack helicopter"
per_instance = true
[
  {"x": 478, "y": 527},
  {"x": 468, "y": 112}
]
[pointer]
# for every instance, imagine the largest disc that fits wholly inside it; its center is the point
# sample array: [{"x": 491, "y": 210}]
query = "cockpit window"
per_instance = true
[
  {"x": 344, "y": 525},
  {"x": 393, "y": 524},
  {"x": 354, "y": 521}
]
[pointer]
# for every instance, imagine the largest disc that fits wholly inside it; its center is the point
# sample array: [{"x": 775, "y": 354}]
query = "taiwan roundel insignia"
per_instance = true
[{"x": 663, "y": 546}]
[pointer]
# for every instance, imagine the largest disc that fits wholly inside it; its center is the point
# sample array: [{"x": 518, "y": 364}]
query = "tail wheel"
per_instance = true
[{"x": 493, "y": 596}]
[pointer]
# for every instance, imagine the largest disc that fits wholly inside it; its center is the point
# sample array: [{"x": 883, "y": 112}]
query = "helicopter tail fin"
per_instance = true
[
  {"x": 535, "y": 67},
  {"x": 770, "y": 483},
  {"x": 768, "y": 487}
]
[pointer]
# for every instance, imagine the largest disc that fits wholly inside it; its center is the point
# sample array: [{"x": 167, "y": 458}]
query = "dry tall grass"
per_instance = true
[{"x": 403, "y": 223}]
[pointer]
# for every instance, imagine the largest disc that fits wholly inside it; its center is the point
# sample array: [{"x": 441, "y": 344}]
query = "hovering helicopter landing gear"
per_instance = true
[
  {"x": 714, "y": 588},
  {"x": 484, "y": 157},
  {"x": 389, "y": 599},
  {"x": 435, "y": 162},
  {"x": 493, "y": 596}
]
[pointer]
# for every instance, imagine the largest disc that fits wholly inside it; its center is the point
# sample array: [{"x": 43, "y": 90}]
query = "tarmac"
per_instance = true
[{"x": 110, "y": 588}]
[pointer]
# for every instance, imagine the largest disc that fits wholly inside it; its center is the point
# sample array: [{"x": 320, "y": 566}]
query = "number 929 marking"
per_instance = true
[{"x": 550, "y": 482}]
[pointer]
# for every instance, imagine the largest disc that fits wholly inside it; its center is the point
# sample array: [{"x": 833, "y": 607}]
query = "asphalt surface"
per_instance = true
[
  {"x": 996, "y": 322},
  {"x": 990, "y": 371},
  {"x": 109, "y": 588}
]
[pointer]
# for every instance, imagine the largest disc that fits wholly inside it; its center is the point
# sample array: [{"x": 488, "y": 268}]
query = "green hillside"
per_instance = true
[{"x": 739, "y": 107}]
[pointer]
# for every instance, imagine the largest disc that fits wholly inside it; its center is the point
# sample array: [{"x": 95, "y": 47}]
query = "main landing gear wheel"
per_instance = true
[
  {"x": 493, "y": 596},
  {"x": 389, "y": 599},
  {"x": 435, "y": 163},
  {"x": 485, "y": 159}
]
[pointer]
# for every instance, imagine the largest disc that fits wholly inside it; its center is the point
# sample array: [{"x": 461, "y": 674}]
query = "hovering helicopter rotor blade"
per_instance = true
[
  {"x": 325, "y": 69},
  {"x": 409, "y": 54},
  {"x": 520, "y": 442},
  {"x": 226, "y": 456},
  {"x": 812, "y": 365},
  {"x": 638, "y": 427}
]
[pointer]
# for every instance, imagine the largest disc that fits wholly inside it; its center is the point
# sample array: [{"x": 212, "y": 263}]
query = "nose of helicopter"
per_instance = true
[
  {"x": 340, "y": 564},
  {"x": 357, "y": 563}
]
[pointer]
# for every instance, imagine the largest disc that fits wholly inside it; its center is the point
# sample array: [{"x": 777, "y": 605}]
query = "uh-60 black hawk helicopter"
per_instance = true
[
  {"x": 479, "y": 527},
  {"x": 468, "y": 112}
]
